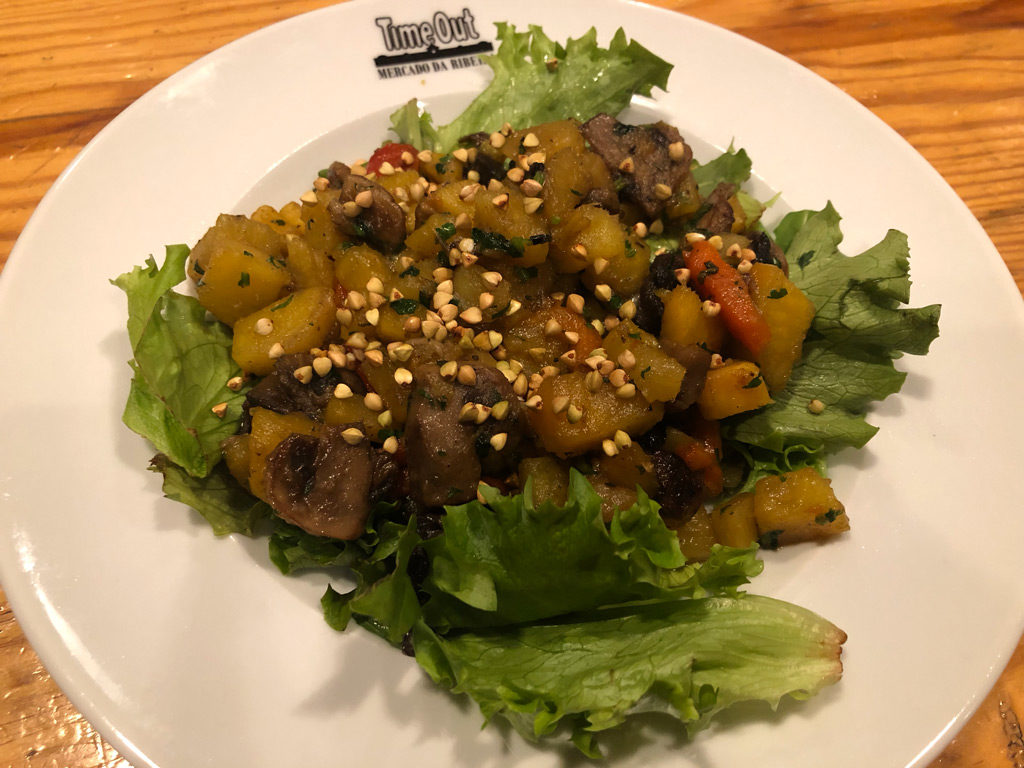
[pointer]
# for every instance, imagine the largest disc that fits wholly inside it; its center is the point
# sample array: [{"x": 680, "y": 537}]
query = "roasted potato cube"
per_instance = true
[
  {"x": 526, "y": 339},
  {"x": 734, "y": 388},
  {"x": 629, "y": 468},
  {"x": 319, "y": 229},
  {"x": 309, "y": 266},
  {"x": 550, "y": 479},
  {"x": 797, "y": 506},
  {"x": 587, "y": 233},
  {"x": 353, "y": 410},
  {"x": 733, "y": 521},
  {"x": 504, "y": 214},
  {"x": 696, "y": 535},
  {"x": 287, "y": 221},
  {"x": 297, "y": 322},
  {"x": 603, "y": 414},
  {"x": 238, "y": 266},
  {"x": 656, "y": 374},
  {"x": 684, "y": 323},
  {"x": 788, "y": 313},
  {"x": 357, "y": 265}
]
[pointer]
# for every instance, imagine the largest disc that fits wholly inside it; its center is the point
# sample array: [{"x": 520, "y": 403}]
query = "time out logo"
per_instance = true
[{"x": 435, "y": 44}]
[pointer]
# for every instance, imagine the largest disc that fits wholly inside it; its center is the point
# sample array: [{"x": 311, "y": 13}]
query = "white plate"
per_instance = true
[{"x": 186, "y": 650}]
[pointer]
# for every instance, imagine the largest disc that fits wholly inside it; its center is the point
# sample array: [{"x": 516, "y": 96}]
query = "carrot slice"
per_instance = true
[{"x": 717, "y": 280}]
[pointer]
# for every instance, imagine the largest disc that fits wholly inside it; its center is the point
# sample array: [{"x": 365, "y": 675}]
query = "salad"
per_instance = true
[{"x": 543, "y": 385}]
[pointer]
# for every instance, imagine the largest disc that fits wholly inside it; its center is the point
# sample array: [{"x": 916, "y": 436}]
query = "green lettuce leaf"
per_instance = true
[
  {"x": 217, "y": 497},
  {"x": 859, "y": 327},
  {"x": 528, "y": 88},
  {"x": 181, "y": 367},
  {"x": 689, "y": 658},
  {"x": 732, "y": 166},
  {"x": 858, "y": 298},
  {"x": 508, "y": 562}
]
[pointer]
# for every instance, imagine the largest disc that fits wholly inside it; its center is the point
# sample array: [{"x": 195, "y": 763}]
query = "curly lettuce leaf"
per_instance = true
[
  {"x": 689, "y": 658},
  {"x": 732, "y": 167},
  {"x": 537, "y": 80},
  {"x": 860, "y": 326},
  {"x": 858, "y": 298},
  {"x": 217, "y": 497},
  {"x": 509, "y": 562},
  {"x": 181, "y": 367}
]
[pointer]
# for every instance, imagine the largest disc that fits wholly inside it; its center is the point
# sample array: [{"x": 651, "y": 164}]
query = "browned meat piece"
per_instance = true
[
  {"x": 719, "y": 216},
  {"x": 446, "y": 458},
  {"x": 281, "y": 392},
  {"x": 382, "y": 223},
  {"x": 647, "y": 147},
  {"x": 322, "y": 484},
  {"x": 697, "y": 361}
]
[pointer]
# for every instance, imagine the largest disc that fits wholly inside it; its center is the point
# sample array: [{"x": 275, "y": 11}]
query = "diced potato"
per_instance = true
[
  {"x": 320, "y": 230},
  {"x": 589, "y": 232},
  {"x": 613, "y": 497},
  {"x": 510, "y": 221},
  {"x": 425, "y": 239},
  {"x": 268, "y": 430},
  {"x": 797, "y": 506},
  {"x": 734, "y": 523},
  {"x": 355, "y": 266},
  {"x": 696, "y": 535},
  {"x": 238, "y": 266},
  {"x": 309, "y": 266},
  {"x": 353, "y": 410},
  {"x": 788, "y": 313},
  {"x": 569, "y": 176},
  {"x": 381, "y": 379},
  {"x": 629, "y": 468},
  {"x": 734, "y": 388},
  {"x": 550, "y": 479},
  {"x": 442, "y": 168},
  {"x": 684, "y": 323},
  {"x": 603, "y": 414},
  {"x": 287, "y": 221},
  {"x": 656, "y": 374},
  {"x": 526, "y": 331},
  {"x": 470, "y": 285},
  {"x": 298, "y": 323}
]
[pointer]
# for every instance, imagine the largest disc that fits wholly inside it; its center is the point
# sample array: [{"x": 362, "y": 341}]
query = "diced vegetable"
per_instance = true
[
  {"x": 734, "y": 522},
  {"x": 297, "y": 323},
  {"x": 735, "y": 387},
  {"x": 657, "y": 375},
  {"x": 717, "y": 280},
  {"x": 603, "y": 413},
  {"x": 797, "y": 506},
  {"x": 788, "y": 313}
]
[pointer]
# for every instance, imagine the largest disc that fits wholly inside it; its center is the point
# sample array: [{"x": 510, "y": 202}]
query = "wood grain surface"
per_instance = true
[{"x": 948, "y": 75}]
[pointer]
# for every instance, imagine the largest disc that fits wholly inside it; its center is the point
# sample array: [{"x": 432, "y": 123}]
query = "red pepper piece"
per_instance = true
[{"x": 392, "y": 153}]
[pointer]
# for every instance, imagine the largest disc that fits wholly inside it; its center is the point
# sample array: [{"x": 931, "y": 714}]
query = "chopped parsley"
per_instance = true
[
  {"x": 243, "y": 281},
  {"x": 405, "y": 306}
]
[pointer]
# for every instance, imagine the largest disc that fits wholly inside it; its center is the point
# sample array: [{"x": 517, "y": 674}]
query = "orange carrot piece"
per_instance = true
[{"x": 719, "y": 281}]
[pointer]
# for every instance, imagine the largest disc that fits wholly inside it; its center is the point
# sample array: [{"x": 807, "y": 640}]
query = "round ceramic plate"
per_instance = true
[{"x": 186, "y": 650}]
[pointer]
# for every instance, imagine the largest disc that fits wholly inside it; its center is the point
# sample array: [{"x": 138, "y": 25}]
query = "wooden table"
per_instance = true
[{"x": 947, "y": 74}]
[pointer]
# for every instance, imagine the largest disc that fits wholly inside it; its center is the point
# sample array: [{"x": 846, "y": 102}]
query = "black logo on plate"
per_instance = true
[{"x": 437, "y": 44}]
